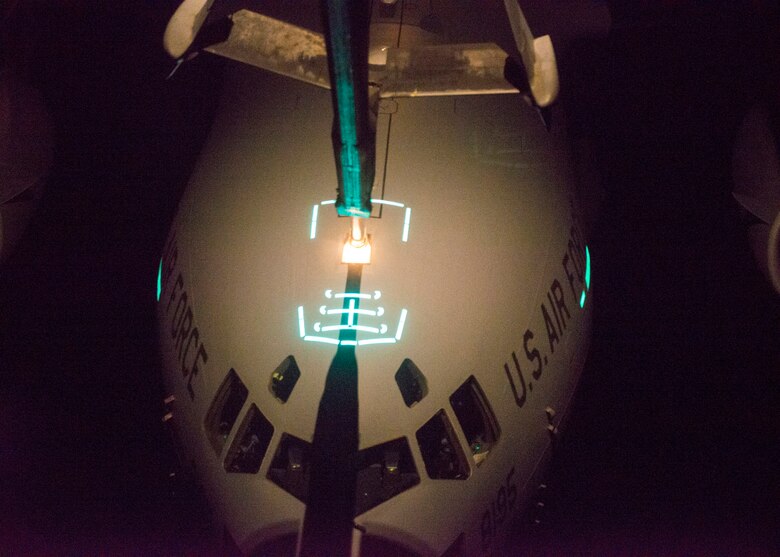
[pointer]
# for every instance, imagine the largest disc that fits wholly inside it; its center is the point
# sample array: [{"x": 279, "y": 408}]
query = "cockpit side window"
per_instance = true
[
  {"x": 284, "y": 378},
  {"x": 250, "y": 444},
  {"x": 444, "y": 459},
  {"x": 411, "y": 382},
  {"x": 384, "y": 471},
  {"x": 290, "y": 467},
  {"x": 224, "y": 410},
  {"x": 476, "y": 419}
]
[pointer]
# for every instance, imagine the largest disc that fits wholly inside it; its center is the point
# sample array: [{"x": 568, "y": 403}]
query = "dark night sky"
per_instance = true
[{"x": 673, "y": 439}]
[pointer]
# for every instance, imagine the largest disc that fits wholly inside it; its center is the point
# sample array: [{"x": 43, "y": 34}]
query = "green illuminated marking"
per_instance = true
[
  {"x": 587, "y": 268},
  {"x": 587, "y": 277},
  {"x": 401, "y": 323},
  {"x": 376, "y": 341},
  {"x": 159, "y": 281},
  {"x": 352, "y": 312},
  {"x": 310, "y": 338},
  {"x": 314, "y": 212},
  {"x": 364, "y": 328},
  {"x": 407, "y": 218},
  {"x": 385, "y": 202},
  {"x": 353, "y": 295},
  {"x": 370, "y": 312},
  {"x": 301, "y": 326}
]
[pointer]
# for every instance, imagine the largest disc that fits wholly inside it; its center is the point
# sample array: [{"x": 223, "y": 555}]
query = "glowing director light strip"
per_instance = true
[
  {"x": 381, "y": 330},
  {"x": 380, "y": 311},
  {"x": 159, "y": 281},
  {"x": 376, "y": 295},
  {"x": 587, "y": 277},
  {"x": 315, "y": 211},
  {"x": 376, "y": 330},
  {"x": 385, "y": 202}
]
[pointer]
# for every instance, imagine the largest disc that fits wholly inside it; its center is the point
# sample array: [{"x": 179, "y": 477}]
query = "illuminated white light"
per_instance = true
[
  {"x": 317, "y": 326},
  {"x": 370, "y": 312},
  {"x": 377, "y": 294},
  {"x": 326, "y": 340},
  {"x": 382, "y": 329},
  {"x": 352, "y": 295},
  {"x": 384, "y": 202},
  {"x": 301, "y": 327},
  {"x": 401, "y": 322},
  {"x": 358, "y": 233},
  {"x": 329, "y": 294},
  {"x": 322, "y": 310},
  {"x": 357, "y": 251},
  {"x": 376, "y": 341},
  {"x": 380, "y": 311},
  {"x": 328, "y": 202},
  {"x": 407, "y": 218},
  {"x": 349, "y": 343},
  {"x": 363, "y": 328},
  {"x": 582, "y": 299},
  {"x": 314, "y": 212}
]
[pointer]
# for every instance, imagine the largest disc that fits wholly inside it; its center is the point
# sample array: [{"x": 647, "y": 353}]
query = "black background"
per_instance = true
[{"x": 673, "y": 439}]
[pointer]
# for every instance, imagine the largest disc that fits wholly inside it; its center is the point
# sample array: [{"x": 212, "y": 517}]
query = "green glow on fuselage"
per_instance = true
[
  {"x": 587, "y": 268},
  {"x": 159, "y": 281},
  {"x": 587, "y": 277}
]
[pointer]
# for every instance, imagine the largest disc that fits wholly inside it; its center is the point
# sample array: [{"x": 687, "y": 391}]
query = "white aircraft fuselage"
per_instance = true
[{"x": 470, "y": 325}]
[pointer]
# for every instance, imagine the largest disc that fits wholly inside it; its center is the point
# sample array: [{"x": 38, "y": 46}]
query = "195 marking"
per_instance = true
[{"x": 500, "y": 509}]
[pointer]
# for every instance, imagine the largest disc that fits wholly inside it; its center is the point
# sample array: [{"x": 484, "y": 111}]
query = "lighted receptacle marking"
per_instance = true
[
  {"x": 385, "y": 202},
  {"x": 380, "y": 311},
  {"x": 159, "y": 281},
  {"x": 326, "y": 340},
  {"x": 316, "y": 208},
  {"x": 377, "y": 341},
  {"x": 365, "y": 328},
  {"x": 587, "y": 277},
  {"x": 401, "y": 323},
  {"x": 376, "y": 295},
  {"x": 314, "y": 212},
  {"x": 352, "y": 312},
  {"x": 301, "y": 325}
]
